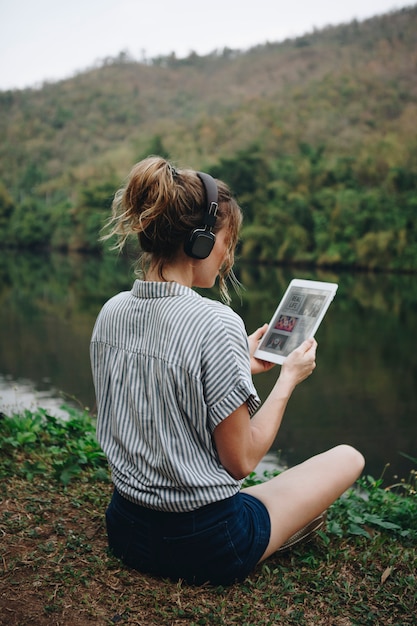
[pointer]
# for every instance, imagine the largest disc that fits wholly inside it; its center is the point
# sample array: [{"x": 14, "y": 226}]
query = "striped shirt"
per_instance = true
[{"x": 168, "y": 366}]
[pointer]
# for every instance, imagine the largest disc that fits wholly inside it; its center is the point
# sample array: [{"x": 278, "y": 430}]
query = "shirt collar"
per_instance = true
[{"x": 150, "y": 289}]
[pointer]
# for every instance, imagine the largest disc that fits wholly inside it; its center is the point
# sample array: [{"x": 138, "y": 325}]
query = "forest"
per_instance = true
[{"x": 316, "y": 136}]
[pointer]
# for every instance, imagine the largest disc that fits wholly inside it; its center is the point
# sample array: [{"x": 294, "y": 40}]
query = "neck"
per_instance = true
[{"x": 178, "y": 272}]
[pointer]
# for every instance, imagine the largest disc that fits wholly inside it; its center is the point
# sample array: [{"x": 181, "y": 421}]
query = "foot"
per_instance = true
[{"x": 304, "y": 534}]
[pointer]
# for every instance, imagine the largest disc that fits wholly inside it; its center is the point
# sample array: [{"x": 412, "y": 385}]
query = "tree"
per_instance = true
[
  {"x": 156, "y": 148},
  {"x": 30, "y": 225},
  {"x": 248, "y": 175},
  {"x": 6, "y": 210},
  {"x": 91, "y": 214}
]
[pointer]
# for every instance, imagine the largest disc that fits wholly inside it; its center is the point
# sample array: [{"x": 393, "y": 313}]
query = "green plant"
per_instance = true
[
  {"x": 63, "y": 447},
  {"x": 369, "y": 509}
]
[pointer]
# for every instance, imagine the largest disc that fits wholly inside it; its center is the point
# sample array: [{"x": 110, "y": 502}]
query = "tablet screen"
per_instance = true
[{"x": 296, "y": 318}]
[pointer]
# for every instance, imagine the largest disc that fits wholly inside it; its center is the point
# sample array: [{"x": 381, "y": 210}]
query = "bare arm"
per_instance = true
[{"x": 242, "y": 442}]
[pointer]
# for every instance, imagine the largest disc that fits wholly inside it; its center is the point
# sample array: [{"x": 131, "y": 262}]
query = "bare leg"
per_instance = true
[{"x": 303, "y": 492}]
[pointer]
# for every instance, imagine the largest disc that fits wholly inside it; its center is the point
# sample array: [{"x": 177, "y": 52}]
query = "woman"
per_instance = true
[{"x": 178, "y": 414}]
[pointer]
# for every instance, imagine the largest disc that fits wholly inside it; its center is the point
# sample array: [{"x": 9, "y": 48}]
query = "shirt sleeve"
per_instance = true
[{"x": 226, "y": 375}]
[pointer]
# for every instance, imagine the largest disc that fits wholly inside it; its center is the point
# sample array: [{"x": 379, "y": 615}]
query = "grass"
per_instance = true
[{"x": 55, "y": 568}]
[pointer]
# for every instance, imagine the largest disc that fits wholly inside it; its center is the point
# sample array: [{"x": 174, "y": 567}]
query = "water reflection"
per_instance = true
[
  {"x": 363, "y": 391},
  {"x": 18, "y": 396}
]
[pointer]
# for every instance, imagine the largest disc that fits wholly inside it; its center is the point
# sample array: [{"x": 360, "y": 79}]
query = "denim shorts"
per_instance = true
[{"x": 219, "y": 543}]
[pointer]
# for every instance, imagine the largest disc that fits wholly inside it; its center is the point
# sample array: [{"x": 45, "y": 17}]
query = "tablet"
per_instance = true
[{"x": 297, "y": 317}]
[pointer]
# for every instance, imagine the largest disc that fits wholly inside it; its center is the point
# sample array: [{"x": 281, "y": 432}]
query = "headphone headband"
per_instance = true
[
  {"x": 201, "y": 241},
  {"x": 210, "y": 188}
]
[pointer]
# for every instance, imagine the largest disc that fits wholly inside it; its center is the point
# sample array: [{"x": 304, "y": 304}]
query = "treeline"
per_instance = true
[
  {"x": 300, "y": 208},
  {"x": 311, "y": 209},
  {"x": 316, "y": 137}
]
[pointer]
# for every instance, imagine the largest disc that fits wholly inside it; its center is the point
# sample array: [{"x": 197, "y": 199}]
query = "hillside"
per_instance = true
[{"x": 290, "y": 126}]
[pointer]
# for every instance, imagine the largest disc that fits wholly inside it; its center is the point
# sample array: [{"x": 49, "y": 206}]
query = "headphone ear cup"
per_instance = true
[{"x": 200, "y": 243}]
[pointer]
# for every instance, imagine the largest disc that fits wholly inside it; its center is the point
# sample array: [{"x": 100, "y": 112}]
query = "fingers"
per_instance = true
[
  {"x": 308, "y": 349},
  {"x": 259, "y": 332},
  {"x": 308, "y": 344},
  {"x": 256, "y": 336},
  {"x": 258, "y": 365},
  {"x": 302, "y": 361}
]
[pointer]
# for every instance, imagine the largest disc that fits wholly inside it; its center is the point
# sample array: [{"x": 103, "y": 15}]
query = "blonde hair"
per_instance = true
[{"x": 161, "y": 206}]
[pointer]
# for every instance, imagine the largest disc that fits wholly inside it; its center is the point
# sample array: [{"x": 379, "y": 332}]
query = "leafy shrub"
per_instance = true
[{"x": 62, "y": 447}]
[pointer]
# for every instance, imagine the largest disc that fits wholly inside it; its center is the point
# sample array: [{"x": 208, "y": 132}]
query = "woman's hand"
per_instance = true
[
  {"x": 258, "y": 366},
  {"x": 299, "y": 364}
]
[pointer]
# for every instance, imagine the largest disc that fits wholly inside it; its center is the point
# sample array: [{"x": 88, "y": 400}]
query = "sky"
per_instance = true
[{"x": 50, "y": 40}]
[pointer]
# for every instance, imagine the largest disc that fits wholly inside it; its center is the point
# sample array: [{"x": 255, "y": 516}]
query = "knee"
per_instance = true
[{"x": 352, "y": 458}]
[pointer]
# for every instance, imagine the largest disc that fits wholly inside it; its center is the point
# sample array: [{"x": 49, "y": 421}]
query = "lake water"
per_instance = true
[{"x": 363, "y": 391}]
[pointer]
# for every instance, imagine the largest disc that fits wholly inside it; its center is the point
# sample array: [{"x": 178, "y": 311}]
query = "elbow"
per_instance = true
[
  {"x": 239, "y": 470},
  {"x": 240, "y": 476}
]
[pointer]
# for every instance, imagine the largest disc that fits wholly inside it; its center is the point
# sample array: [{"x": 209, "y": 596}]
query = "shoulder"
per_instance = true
[
  {"x": 223, "y": 313},
  {"x": 224, "y": 323},
  {"x": 111, "y": 310},
  {"x": 116, "y": 300},
  {"x": 224, "y": 327}
]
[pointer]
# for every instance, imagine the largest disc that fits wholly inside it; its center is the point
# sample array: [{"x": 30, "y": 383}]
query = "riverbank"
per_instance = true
[{"x": 55, "y": 568}]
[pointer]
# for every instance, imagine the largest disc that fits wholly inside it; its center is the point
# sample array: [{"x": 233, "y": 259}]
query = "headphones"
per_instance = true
[{"x": 201, "y": 240}]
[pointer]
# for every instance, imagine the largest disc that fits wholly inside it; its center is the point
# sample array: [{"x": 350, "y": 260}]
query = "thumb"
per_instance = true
[{"x": 259, "y": 332}]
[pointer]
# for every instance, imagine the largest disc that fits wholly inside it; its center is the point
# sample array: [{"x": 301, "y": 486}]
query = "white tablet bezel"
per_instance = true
[{"x": 303, "y": 326}]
